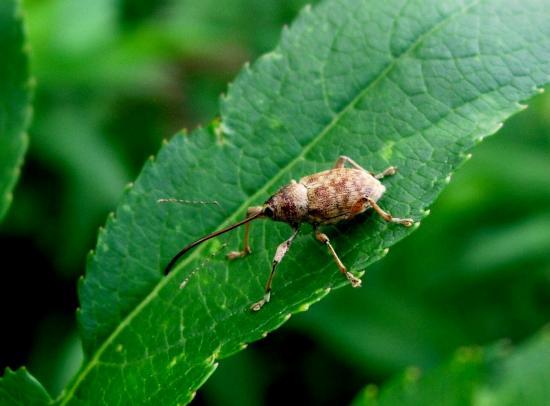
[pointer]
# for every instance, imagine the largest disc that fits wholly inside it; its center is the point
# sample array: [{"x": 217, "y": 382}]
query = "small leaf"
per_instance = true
[
  {"x": 15, "y": 99},
  {"x": 21, "y": 388},
  {"x": 414, "y": 84}
]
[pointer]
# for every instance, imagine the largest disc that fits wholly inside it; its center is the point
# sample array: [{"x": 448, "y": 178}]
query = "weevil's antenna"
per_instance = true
[
  {"x": 183, "y": 201},
  {"x": 172, "y": 200},
  {"x": 206, "y": 238}
]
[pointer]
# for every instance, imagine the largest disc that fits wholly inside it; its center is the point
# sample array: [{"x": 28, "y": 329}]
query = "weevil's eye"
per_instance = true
[{"x": 268, "y": 212}]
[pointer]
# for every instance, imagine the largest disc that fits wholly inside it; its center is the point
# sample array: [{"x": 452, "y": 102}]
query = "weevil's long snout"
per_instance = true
[{"x": 184, "y": 250}]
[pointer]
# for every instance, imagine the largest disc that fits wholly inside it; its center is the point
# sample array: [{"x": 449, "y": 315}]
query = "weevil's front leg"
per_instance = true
[
  {"x": 355, "y": 282},
  {"x": 282, "y": 249},
  {"x": 387, "y": 216},
  {"x": 246, "y": 247}
]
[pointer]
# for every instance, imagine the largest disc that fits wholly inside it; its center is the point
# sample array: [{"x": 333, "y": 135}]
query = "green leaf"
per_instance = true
[
  {"x": 474, "y": 376},
  {"x": 21, "y": 388},
  {"x": 15, "y": 99},
  {"x": 413, "y": 84}
]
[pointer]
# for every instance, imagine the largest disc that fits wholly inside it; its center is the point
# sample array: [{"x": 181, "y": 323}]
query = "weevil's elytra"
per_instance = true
[
  {"x": 338, "y": 194},
  {"x": 326, "y": 197}
]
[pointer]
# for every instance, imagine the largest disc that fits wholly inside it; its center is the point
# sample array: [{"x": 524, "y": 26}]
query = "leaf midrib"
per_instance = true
[{"x": 64, "y": 398}]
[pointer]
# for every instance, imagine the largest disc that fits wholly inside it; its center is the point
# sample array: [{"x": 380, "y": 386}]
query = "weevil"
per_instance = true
[{"x": 327, "y": 197}]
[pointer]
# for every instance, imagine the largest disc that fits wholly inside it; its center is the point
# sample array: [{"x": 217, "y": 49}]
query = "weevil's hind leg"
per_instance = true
[
  {"x": 246, "y": 246},
  {"x": 342, "y": 160},
  {"x": 392, "y": 170},
  {"x": 387, "y": 216},
  {"x": 323, "y": 238},
  {"x": 282, "y": 249}
]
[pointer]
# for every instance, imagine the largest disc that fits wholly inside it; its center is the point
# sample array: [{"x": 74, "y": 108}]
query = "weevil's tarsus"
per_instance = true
[
  {"x": 239, "y": 254},
  {"x": 259, "y": 304},
  {"x": 387, "y": 216},
  {"x": 282, "y": 249},
  {"x": 208, "y": 237},
  {"x": 323, "y": 238},
  {"x": 392, "y": 170}
]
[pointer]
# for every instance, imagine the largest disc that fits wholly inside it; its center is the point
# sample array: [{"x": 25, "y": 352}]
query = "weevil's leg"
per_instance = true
[
  {"x": 282, "y": 249},
  {"x": 392, "y": 170},
  {"x": 246, "y": 247},
  {"x": 342, "y": 160},
  {"x": 387, "y": 216},
  {"x": 323, "y": 238}
]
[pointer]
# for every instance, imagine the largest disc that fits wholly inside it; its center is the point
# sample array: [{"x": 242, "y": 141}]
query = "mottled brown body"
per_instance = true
[
  {"x": 340, "y": 194},
  {"x": 326, "y": 197}
]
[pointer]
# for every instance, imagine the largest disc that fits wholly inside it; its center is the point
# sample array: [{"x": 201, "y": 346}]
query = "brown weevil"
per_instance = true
[{"x": 326, "y": 197}]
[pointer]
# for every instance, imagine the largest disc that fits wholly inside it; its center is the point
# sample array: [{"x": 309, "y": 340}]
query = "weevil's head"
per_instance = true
[{"x": 289, "y": 204}]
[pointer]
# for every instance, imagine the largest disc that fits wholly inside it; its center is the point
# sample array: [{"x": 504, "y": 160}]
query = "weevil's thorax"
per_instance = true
[
  {"x": 373, "y": 188},
  {"x": 289, "y": 204}
]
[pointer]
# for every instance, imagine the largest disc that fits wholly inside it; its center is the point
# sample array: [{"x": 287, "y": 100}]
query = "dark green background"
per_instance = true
[{"x": 116, "y": 77}]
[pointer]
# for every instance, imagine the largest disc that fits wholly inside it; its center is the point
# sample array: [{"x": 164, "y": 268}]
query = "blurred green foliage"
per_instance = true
[
  {"x": 116, "y": 77},
  {"x": 494, "y": 376},
  {"x": 15, "y": 100}
]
